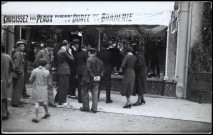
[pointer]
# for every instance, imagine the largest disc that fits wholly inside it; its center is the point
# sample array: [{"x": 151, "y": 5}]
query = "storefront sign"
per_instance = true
[{"x": 86, "y": 19}]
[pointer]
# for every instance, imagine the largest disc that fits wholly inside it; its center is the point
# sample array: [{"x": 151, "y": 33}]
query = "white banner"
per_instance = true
[{"x": 129, "y": 18}]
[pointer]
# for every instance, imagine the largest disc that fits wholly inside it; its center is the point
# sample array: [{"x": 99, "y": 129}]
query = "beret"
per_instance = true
[{"x": 64, "y": 42}]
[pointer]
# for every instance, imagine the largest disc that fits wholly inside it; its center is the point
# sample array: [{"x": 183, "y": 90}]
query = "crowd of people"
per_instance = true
[{"x": 77, "y": 67}]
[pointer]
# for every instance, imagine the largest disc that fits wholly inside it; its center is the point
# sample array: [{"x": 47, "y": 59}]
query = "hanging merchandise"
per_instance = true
[{"x": 151, "y": 30}]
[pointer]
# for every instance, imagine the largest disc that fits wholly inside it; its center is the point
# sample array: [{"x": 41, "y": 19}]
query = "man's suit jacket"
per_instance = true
[
  {"x": 64, "y": 58},
  {"x": 18, "y": 60},
  {"x": 106, "y": 57},
  {"x": 80, "y": 61},
  {"x": 94, "y": 67},
  {"x": 44, "y": 54}
]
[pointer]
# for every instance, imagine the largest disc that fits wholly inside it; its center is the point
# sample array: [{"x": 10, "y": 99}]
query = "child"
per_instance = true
[{"x": 39, "y": 91}]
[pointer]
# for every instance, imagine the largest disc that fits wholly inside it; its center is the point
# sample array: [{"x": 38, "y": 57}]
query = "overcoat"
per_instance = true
[{"x": 6, "y": 74}]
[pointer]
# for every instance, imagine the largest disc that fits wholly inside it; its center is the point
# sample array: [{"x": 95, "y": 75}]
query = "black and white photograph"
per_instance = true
[{"x": 106, "y": 67}]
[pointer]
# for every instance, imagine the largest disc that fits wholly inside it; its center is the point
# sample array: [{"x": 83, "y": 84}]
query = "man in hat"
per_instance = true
[
  {"x": 64, "y": 57},
  {"x": 106, "y": 56},
  {"x": 80, "y": 61},
  {"x": 73, "y": 81},
  {"x": 47, "y": 53},
  {"x": 18, "y": 74},
  {"x": 92, "y": 75}
]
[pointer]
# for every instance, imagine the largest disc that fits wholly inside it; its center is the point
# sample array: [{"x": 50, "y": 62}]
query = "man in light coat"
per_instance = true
[{"x": 6, "y": 81}]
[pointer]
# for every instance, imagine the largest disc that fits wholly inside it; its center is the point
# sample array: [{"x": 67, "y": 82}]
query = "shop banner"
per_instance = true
[{"x": 157, "y": 18}]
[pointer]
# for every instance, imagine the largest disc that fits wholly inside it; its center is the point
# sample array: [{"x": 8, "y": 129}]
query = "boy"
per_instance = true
[{"x": 39, "y": 92}]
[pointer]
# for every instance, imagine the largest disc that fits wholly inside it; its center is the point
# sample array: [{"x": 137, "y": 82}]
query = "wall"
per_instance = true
[{"x": 197, "y": 13}]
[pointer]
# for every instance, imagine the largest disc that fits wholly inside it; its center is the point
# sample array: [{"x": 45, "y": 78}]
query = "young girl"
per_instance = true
[{"x": 39, "y": 91}]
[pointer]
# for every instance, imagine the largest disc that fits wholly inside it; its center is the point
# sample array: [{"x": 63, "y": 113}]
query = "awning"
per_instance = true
[{"x": 87, "y": 13}]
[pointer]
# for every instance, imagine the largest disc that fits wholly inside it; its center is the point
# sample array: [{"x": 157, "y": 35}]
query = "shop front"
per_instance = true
[{"x": 139, "y": 27}]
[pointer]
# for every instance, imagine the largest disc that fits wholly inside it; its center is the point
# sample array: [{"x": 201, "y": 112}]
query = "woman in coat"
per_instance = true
[
  {"x": 129, "y": 75},
  {"x": 7, "y": 67},
  {"x": 141, "y": 74}
]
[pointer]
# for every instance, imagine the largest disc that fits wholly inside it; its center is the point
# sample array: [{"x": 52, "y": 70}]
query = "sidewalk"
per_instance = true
[{"x": 162, "y": 107}]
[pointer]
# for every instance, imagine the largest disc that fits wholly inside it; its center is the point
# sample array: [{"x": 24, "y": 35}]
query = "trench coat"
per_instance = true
[
  {"x": 129, "y": 75},
  {"x": 6, "y": 75}
]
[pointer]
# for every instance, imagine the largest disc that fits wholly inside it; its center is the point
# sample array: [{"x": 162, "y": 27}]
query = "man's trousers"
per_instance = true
[
  {"x": 85, "y": 95},
  {"x": 61, "y": 96}
]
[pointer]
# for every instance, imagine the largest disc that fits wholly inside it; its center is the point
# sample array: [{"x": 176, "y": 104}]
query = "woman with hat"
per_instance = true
[
  {"x": 129, "y": 75},
  {"x": 140, "y": 78}
]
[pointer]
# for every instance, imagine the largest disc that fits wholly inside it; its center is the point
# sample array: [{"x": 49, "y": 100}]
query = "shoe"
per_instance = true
[
  {"x": 84, "y": 110},
  {"x": 26, "y": 96},
  {"x": 142, "y": 101},
  {"x": 109, "y": 101},
  {"x": 136, "y": 104},
  {"x": 35, "y": 120},
  {"x": 127, "y": 106},
  {"x": 79, "y": 101},
  {"x": 4, "y": 117},
  {"x": 45, "y": 116},
  {"x": 51, "y": 105},
  {"x": 72, "y": 97},
  {"x": 93, "y": 111}
]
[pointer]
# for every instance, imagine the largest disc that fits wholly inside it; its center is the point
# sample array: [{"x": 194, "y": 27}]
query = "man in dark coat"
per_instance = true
[
  {"x": 106, "y": 56},
  {"x": 73, "y": 80},
  {"x": 18, "y": 74},
  {"x": 64, "y": 57},
  {"x": 47, "y": 53},
  {"x": 80, "y": 60},
  {"x": 92, "y": 75}
]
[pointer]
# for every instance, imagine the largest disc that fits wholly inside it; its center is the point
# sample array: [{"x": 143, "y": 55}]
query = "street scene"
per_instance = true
[
  {"x": 87, "y": 67},
  {"x": 158, "y": 115}
]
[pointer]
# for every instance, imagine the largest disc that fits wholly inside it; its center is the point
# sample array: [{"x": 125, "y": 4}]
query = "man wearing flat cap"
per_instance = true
[
  {"x": 64, "y": 57},
  {"x": 73, "y": 81},
  {"x": 18, "y": 74},
  {"x": 91, "y": 77},
  {"x": 47, "y": 53}
]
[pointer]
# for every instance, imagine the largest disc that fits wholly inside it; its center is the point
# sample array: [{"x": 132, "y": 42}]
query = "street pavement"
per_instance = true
[{"x": 155, "y": 106}]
